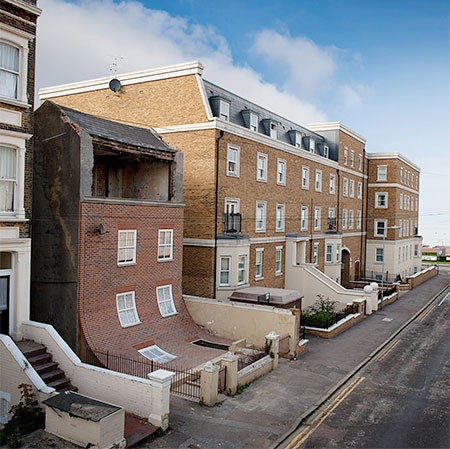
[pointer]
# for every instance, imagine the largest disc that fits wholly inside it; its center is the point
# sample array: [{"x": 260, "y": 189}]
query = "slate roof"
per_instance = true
[
  {"x": 118, "y": 132},
  {"x": 237, "y": 104}
]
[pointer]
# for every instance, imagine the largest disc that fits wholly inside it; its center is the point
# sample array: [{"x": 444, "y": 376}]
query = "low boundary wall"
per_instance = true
[
  {"x": 422, "y": 276},
  {"x": 336, "y": 329},
  {"x": 255, "y": 370}
]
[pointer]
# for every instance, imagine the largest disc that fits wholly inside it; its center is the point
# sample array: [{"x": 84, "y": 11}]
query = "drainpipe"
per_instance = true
[{"x": 216, "y": 211}]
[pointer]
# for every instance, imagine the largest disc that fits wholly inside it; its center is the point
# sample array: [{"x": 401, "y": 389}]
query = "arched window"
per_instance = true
[
  {"x": 9, "y": 70},
  {"x": 8, "y": 173}
]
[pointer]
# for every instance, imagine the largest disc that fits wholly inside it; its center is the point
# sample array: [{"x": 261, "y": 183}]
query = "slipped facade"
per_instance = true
[
  {"x": 264, "y": 196},
  {"x": 17, "y": 57},
  {"x": 108, "y": 232}
]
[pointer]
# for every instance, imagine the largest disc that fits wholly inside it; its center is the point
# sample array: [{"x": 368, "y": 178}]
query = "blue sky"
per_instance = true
[{"x": 380, "y": 67}]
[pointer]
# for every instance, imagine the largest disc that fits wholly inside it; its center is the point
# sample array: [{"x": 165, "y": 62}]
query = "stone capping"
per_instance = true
[
  {"x": 130, "y": 201},
  {"x": 336, "y": 329},
  {"x": 255, "y": 370},
  {"x": 421, "y": 276}
]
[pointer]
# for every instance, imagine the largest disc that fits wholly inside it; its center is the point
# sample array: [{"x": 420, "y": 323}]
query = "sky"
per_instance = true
[{"x": 380, "y": 67}]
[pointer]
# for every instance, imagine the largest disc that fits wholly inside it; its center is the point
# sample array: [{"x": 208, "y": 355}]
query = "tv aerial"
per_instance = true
[{"x": 115, "y": 84}]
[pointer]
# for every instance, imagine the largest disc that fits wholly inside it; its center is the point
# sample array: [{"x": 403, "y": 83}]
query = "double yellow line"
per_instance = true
[{"x": 322, "y": 416}]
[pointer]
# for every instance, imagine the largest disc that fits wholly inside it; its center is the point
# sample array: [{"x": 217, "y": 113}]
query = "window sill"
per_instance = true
[
  {"x": 278, "y": 274},
  {"x": 165, "y": 260},
  {"x": 233, "y": 175},
  {"x": 261, "y": 180},
  {"x": 126, "y": 264},
  {"x": 130, "y": 325},
  {"x": 169, "y": 314},
  {"x": 279, "y": 230},
  {"x": 12, "y": 219},
  {"x": 260, "y": 231},
  {"x": 259, "y": 279},
  {"x": 281, "y": 184},
  {"x": 14, "y": 102}
]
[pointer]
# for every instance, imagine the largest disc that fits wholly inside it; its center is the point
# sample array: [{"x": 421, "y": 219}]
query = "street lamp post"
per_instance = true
[{"x": 382, "y": 266}]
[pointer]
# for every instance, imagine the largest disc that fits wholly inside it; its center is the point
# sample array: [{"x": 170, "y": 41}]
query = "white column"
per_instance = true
[
  {"x": 20, "y": 183},
  {"x": 24, "y": 74},
  {"x": 160, "y": 381},
  {"x": 20, "y": 301}
]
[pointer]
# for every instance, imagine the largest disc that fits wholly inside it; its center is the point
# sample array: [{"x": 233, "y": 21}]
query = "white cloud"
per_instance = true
[
  {"x": 306, "y": 65},
  {"x": 77, "y": 41},
  {"x": 352, "y": 96}
]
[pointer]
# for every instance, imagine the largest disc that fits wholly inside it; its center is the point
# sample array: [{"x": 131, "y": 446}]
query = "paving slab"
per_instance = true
[{"x": 271, "y": 405}]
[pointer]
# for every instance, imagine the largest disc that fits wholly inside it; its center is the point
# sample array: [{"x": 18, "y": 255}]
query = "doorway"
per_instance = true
[
  {"x": 345, "y": 268},
  {"x": 5, "y": 293}
]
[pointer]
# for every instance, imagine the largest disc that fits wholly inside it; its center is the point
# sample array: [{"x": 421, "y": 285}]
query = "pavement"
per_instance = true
[{"x": 273, "y": 405}]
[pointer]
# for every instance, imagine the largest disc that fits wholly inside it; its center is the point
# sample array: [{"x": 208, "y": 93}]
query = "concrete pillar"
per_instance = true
[
  {"x": 160, "y": 381},
  {"x": 209, "y": 384},
  {"x": 274, "y": 347},
  {"x": 21, "y": 295},
  {"x": 230, "y": 362}
]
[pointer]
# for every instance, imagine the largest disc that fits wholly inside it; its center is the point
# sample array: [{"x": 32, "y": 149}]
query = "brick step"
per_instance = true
[
  {"x": 59, "y": 384},
  {"x": 45, "y": 367},
  {"x": 51, "y": 376},
  {"x": 40, "y": 359},
  {"x": 35, "y": 352}
]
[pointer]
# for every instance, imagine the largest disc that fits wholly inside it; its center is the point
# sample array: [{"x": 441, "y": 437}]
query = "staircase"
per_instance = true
[{"x": 43, "y": 363}]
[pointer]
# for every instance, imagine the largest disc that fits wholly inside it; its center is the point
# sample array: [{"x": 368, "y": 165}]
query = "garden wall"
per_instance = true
[{"x": 422, "y": 276}]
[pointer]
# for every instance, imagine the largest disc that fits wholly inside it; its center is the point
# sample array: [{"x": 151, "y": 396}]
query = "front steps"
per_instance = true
[{"x": 43, "y": 363}]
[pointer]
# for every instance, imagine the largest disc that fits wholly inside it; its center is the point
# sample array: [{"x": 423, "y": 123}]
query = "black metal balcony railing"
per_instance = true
[
  {"x": 332, "y": 223},
  {"x": 231, "y": 222},
  {"x": 416, "y": 231}
]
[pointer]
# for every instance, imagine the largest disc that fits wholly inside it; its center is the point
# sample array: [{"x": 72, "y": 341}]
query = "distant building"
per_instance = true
[{"x": 17, "y": 55}]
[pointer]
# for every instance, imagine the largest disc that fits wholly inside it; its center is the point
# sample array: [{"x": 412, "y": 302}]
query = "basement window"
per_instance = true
[
  {"x": 210, "y": 344},
  {"x": 156, "y": 354}
]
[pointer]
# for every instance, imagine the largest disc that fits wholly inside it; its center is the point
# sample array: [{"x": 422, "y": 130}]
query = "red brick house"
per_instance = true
[{"x": 108, "y": 236}]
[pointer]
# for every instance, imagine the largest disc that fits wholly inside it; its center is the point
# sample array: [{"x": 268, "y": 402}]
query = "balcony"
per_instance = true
[
  {"x": 231, "y": 223},
  {"x": 332, "y": 223}
]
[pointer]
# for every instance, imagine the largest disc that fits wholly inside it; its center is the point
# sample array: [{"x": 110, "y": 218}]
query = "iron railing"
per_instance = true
[
  {"x": 232, "y": 222},
  {"x": 331, "y": 223},
  {"x": 186, "y": 382}
]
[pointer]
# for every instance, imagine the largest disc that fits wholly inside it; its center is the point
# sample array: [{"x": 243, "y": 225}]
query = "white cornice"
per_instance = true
[
  {"x": 396, "y": 241},
  {"x": 206, "y": 104},
  {"x": 7, "y": 132},
  {"x": 393, "y": 155},
  {"x": 336, "y": 126},
  {"x": 26, "y": 6},
  {"x": 6, "y": 13},
  {"x": 173, "y": 71},
  {"x": 17, "y": 32},
  {"x": 392, "y": 184}
]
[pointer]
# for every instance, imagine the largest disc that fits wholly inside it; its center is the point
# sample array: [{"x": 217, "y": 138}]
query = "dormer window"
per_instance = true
[
  {"x": 296, "y": 138},
  {"x": 270, "y": 127},
  {"x": 220, "y": 107},
  {"x": 326, "y": 151},
  {"x": 312, "y": 145},
  {"x": 250, "y": 119}
]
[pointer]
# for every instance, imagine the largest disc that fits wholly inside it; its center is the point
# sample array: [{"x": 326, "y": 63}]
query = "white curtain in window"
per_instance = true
[
  {"x": 7, "y": 178},
  {"x": 9, "y": 70}
]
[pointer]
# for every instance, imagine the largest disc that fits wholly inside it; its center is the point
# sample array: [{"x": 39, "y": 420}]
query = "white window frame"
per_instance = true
[
  {"x": 262, "y": 206},
  {"x": 345, "y": 187},
  {"x": 358, "y": 219},
  {"x": 167, "y": 244},
  {"x": 253, "y": 122},
  {"x": 352, "y": 188},
  {"x": 273, "y": 130},
  {"x": 359, "y": 190},
  {"x": 352, "y": 158},
  {"x": 259, "y": 260},
  {"x": 8, "y": 181},
  {"x": 360, "y": 162},
  {"x": 224, "y": 110},
  {"x": 233, "y": 149},
  {"x": 318, "y": 182},
  {"x": 345, "y": 156},
  {"x": 281, "y": 172},
  {"x": 316, "y": 253},
  {"x": 350, "y": 219},
  {"x": 400, "y": 229},
  {"x": 263, "y": 158},
  {"x": 317, "y": 217},
  {"x": 228, "y": 271},
  {"x": 326, "y": 151},
  {"x": 281, "y": 207},
  {"x": 242, "y": 270},
  {"x": 381, "y": 172},
  {"x": 344, "y": 218},
  {"x": 331, "y": 212},
  {"x": 417, "y": 202},
  {"x": 305, "y": 177},
  {"x": 164, "y": 302},
  {"x": 329, "y": 254},
  {"x": 19, "y": 39},
  {"x": 124, "y": 248},
  {"x": 304, "y": 218},
  {"x": 401, "y": 201},
  {"x": 401, "y": 175},
  {"x": 332, "y": 184},
  {"x": 156, "y": 354},
  {"x": 375, "y": 229},
  {"x": 132, "y": 309},
  {"x": 378, "y": 197},
  {"x": 278, "y": 260},
  {"x": 338, "y": 252},
  {"x": 232, "y": 205},
  {"x": 379, "y": 255}
]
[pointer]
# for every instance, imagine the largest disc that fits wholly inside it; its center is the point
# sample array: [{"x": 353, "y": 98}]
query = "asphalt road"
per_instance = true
[{"x": 399, "y": 400}]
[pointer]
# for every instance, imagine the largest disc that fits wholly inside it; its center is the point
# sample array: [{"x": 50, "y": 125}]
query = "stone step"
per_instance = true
[
  {"x": 40, "y": 359},
  {"x": 51, "y": 376},
  {"x": 59, "y": 384},
  {"x": 45, "y": 367}
]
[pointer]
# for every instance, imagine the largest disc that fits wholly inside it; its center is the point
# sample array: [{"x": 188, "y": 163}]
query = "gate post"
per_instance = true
[
  {"x": 209, "y": 384},
  {"x": 160, "y": 381},
  {"x": 274, "y": 340},
  {"x": 230, "y": 362}
]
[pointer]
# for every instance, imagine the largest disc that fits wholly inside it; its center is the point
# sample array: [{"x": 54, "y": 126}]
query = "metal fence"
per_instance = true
[{"x": 186, "y": 382}]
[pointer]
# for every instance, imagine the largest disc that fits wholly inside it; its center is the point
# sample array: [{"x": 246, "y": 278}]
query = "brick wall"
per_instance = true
[{"x": 100, "y": 278}]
